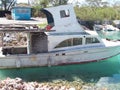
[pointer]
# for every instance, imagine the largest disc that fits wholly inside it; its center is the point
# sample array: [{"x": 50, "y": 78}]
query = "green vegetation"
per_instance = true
[
  {"x": 42, "y": 25},
  {"x": 38, "y": 4},
  {"x": 98, "y": 10},
  {"x": 97, "y": 13},
  {"x": 91, "y": 10}
]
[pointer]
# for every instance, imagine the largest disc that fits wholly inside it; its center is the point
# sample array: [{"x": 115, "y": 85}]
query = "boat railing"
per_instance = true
[{"x": 22, "y": 28}]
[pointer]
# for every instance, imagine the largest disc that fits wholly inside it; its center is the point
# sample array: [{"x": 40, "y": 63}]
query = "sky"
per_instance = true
[{"x": 22, "y": 1}]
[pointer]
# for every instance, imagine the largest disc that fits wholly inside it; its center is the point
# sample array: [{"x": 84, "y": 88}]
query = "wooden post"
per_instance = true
[
  {"x": 1, "y": 43},
  {"x": 1, "y": 39},
  {"x": 28, "y": 43}
]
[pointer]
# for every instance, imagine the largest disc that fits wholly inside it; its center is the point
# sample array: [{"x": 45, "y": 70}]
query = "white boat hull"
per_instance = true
[
  {"x": 62, "y": 42},
  {"x": 58, "y": 58}
]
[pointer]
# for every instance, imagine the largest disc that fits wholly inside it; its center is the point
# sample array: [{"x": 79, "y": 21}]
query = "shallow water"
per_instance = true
[
  {"x": 115, "y": 35},
  {"x": 87, "y": 72}
]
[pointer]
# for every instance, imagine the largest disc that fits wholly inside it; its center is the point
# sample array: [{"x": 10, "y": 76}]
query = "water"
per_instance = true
[
  {"x": 86, "y": 72},
  {"x": 114, "y": 35}
]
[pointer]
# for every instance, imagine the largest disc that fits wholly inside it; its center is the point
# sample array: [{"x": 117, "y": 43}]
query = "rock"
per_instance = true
[
  {"x": 72, "y": 89},
  {"x": 19, "y": 84},
  {"x": 18, "y": 80},
  {"x": 86, "y": 88}
]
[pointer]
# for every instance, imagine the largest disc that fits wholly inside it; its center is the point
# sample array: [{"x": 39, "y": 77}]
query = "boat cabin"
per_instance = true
[
  {"x": 62, "y": 33},
  {"x": 62, "y": 19}
]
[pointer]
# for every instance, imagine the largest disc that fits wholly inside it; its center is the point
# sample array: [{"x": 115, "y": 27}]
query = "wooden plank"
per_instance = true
[
  {"x": 21, "y": 46},
  {"x": 21, "y": 28},
  {"x": 24, "y": 30}
]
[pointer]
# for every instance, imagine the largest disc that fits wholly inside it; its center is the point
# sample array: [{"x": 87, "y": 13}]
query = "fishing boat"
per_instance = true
[{"x": 62, "y": 42}]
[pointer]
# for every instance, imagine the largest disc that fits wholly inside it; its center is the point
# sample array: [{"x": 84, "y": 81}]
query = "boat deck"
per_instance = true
[
  {"x": 22, "y": 25},
  {"x": 32, "y": 21}
]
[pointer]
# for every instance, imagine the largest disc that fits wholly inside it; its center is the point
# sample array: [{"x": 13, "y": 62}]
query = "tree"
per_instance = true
[
  {"x": 46, "y": 3},
  {"x": 38, "y": 4},
  {"x": 7, "y": 4},
  {"x": 11, "y": 4},
  {"x": 96, "y": 3},
  {"x": 4, "y": 4},
  {"x": 58, "y": 2}
]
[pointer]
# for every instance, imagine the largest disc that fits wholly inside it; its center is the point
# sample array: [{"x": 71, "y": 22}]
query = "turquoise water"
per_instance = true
[
  {"x": 115, "y": 35},
  {"x": 86, "y": 72}
]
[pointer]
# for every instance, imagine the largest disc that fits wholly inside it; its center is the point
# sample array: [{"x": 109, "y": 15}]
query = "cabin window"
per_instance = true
[
  {"x": 64, "y": 13},
  {"x": 22, "y": 10},
  {"x": 90, "y": 40},
  {"x": 70, "y": 42},
  {"x": 77, "y": 41},
  {"x": 64, "y": 43}
]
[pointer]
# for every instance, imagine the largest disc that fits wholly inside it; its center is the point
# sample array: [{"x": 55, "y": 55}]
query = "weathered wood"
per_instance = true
[{"x": 24, "y": 30}]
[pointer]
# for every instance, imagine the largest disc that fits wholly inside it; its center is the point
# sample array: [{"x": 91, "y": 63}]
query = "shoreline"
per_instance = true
[{"x": 19, "y": 84}]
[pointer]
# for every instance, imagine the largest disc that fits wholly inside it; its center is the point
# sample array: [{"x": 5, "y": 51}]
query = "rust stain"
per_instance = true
[{"x": 33, "y": 58}]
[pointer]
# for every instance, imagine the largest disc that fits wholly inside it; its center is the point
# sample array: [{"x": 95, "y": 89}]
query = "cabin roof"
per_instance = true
[
  {"x": 21, "y": 6},
  {"x": 25, "y": 30}
]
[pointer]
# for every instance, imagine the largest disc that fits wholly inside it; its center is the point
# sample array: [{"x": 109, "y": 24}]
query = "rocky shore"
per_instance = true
[{"x": 19, "y": 84}]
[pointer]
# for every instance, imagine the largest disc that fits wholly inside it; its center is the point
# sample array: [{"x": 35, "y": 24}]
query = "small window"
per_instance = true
[
  {"x": 22, "y": 10},
  {"x": 64, "y": 13},
  {"x": 92, "y": 40}
]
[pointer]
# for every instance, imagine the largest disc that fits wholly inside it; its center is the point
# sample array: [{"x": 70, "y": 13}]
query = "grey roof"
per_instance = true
[
  {"x": 21, "y": 6},
  {"x": 31, "y": 21}
]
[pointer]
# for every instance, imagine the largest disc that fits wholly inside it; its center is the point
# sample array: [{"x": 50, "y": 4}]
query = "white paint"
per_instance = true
[
  {"x": 67, "y": 55},
  {"x": 67, "y": 24}
]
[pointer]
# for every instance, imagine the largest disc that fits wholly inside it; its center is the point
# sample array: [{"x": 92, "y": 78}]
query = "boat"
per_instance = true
[
  {"x": 62, "y": 42},
  {"x": 105, "y": 28}
]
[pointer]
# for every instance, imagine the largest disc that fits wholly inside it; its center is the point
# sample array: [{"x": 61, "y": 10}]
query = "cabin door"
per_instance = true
[{"x": 39, "y": 42}]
